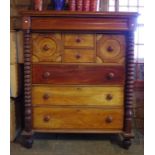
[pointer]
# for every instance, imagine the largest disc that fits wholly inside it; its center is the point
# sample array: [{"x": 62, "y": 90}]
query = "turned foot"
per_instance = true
[
  {"x": 28, "y": 142},
  {"x": 126, "y": 143}
]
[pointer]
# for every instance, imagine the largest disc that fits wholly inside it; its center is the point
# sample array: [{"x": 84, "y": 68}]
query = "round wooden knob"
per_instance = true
[
  {"x": 46, "y": 118},
  {"x": 46, "y": 74},
  {"x": 109, "y": 119},
  {"x": 46, "y": 48},
  {"x": 78, "y": 40},
  {"x": 110, "y": 49},
  {"x": 79, "y": 88},
  {"x": 78, "y": 56},
  {"x": 109, "y": 97},
  {"x": 45, "y": 96},
  {"x": 110, "y": 76}
]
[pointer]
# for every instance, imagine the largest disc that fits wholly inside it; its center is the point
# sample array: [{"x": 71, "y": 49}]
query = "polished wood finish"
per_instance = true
[
  {"x": 49, "y": 20},
  {"x": 78, "y": 74},
  {"x": 27, "y": 88},
  {"x": 47, "y": 23},
  {"x": 75, "y": 48},
  {"x": 80, "y": 70},
  {"x": 77, "y": 95},
  {"x": 79, "y": 55},
  {"x": 129, "y": 84},
  {"x": 99, "y": 14},
  {"x": 79, "y": 40},
  {"x": 129, "y": 92},
  {"x": 82, "y": 131},
  {"x": 27, "y": 80},
  {"x": 110, "y": 49},
  {"x": 46, "y": 47},
  {"x": 77, "y": 118},
  {"x": 26, "y": 23}
]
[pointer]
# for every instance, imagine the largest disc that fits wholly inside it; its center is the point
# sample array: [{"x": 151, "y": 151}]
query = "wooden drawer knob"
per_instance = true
[
  {"x": 79, "y": 88},
  {"x": 45, "y": 96},
  {"x": 109, "y": 97},
  {"x": 46, "y": 75},
  {"x": 78, "y": 56},
  {"x": 110, "y": 49},
  {"x": 109, "y": 119},
  {"x": 46, "y": 48},
  {"x": 78, "y": 40},
  {"x": 46, "y": 118},
  {"x": 110, "y": 76}
]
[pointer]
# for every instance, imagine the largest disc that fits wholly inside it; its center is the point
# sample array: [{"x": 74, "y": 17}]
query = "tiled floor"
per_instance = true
[{"x": 78, "y": 144}]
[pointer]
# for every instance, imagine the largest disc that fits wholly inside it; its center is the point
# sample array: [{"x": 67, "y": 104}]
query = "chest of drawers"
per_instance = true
[{"x": 78, "y": 71}]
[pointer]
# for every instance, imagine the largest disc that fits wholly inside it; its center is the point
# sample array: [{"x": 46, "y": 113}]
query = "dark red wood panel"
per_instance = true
[
  {"x": 73, "y": 24},
  {"x": 77, "y": 74}
]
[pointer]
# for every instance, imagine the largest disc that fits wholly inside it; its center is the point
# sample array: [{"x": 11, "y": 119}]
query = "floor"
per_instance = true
[{"x": 78, "y": 144}]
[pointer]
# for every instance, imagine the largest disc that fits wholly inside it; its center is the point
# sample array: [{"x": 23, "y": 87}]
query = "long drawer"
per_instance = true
[
  {"x": 77, "y": 118},
  {"x": 77, "y": 95},
  {"x": 78, "y": 74}
]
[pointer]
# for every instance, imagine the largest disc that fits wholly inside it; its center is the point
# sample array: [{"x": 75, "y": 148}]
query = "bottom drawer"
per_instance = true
[{"x": 77, "y": 118}]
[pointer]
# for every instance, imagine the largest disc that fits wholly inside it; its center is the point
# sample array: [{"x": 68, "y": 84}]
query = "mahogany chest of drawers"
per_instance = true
[{"x": 78, "y": 72}]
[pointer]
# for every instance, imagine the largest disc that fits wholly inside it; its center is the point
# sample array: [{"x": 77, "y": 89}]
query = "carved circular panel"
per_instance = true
[
  {"x": 110, "y": 49},
  {"x": 46, "y": 48}
]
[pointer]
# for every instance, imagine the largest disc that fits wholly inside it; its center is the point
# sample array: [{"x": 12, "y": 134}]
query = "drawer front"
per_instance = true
[
  {"x": 111, "y": 49},
  {"x": 79, "y": 55},
  {"x": 77, "y": 118},
  {"x": 77, "y": 74},
  {"x": 79, "y": 40},
  {"x": 47, "y": 48},
  {"x": 77, "y": 95}
]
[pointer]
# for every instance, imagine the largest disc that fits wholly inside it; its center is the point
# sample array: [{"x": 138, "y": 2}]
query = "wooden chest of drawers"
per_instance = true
[{"x": 78, "y": 72}]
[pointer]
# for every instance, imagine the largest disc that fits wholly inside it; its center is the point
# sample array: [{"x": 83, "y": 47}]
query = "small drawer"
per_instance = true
[
  {"x": 77, "y": 95},
  {"x": 78, "y": 74},
  {"x": 79, "y": 40},
  {"x": 79, "y": 55},
  {"x": 46, "y": 47},
  {"x": 77, "y": 118},
  {"x": 111, "y": 49}
]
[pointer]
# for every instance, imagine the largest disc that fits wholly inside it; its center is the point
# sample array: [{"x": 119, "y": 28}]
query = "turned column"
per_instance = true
[
  {"x": 129, "y": 90},
  {"x": 27, "y": 83}
]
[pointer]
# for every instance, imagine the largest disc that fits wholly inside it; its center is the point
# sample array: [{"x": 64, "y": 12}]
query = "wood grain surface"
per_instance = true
[
  {"x": 79, "y": 55},
  {"x": 47, "y": 47},
  {"x": 77, "y": 74},
  {"x": 79, "y": 40},
  {"x": 77, "y": 95},
  {"x": 111, "y": 48},
  {"x": 77, "y": 118},
  {"x": 47, "y": 23}
]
